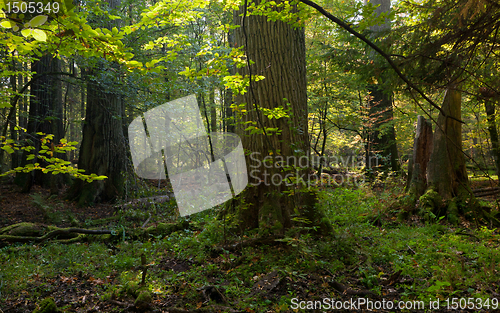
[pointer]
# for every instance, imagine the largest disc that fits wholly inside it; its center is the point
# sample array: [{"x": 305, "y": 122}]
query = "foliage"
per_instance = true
[
  {"x": 48, "y": 154},
  {"x": 435, "y": 260}
]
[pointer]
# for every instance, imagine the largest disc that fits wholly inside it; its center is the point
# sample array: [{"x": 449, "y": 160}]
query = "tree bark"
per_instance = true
[
  {"x": 103, "y": 149},
  {"x": 446, "y": 171},
  {"x": 422, "y": 149},
  {"x": 278, "y": 52}
]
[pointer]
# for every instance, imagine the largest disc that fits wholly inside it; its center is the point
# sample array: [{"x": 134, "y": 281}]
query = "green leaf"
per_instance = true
[
  {"x": 8, "y": 149},
  {"x": 39, "y": 35},
  {"x": 26, "y": 32},
  {"x": 6, "y": 24},
  {"x": 38, "y": 20}
]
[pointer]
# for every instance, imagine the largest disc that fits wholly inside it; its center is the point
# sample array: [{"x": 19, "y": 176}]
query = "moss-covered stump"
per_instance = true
[
  {"x": 48, "y": 305},
  {"x": 432, "y": 207}
]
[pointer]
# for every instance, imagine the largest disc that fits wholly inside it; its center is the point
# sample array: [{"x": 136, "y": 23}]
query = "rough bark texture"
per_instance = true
[
  {"x": 278, "y": 51},
  {"x": 103, "y": 149},
  {"x": 422, "y": 149},
  {"x": 446, "y": 171}
]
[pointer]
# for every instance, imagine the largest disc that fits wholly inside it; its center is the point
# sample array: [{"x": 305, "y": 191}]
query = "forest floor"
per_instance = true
[
  {"x": 37, "y": 206},
  {"x": 372, "y": 257}
]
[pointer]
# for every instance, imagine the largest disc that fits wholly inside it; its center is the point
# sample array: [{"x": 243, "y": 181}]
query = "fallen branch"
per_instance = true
[
  {"x": 485, "y": 189},
  {"x": 145, "y": 202},
  {"x": 122, "y": 304},
  {"x": 14, "y": 233},
  {"x": 483, "y": 192}
]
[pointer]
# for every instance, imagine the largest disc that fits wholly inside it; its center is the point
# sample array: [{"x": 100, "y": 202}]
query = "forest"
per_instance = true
[{"x": 249, "y": 156}]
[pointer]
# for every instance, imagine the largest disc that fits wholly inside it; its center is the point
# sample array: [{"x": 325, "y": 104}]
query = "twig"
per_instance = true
[{"x": 147, "y": 221}]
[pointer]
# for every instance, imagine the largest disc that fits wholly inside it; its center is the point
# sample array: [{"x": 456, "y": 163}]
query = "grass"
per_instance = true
[{"x": 436, "y": 261}]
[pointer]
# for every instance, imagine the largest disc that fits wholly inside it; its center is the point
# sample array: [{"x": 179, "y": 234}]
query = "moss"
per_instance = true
[
  {"x": 23, "y": 229},
  {"x": 48, "y": 305},
  {"x": 131, "y": 288},
  {"x": 430, "y": 202},
  {"x": 270, "y": 216},
  {"x": 166, "y": 229},
  {"x": 315, "y": 214},
  {"x": 452, "y": 212},
  {"x": 144, "y": 300}
]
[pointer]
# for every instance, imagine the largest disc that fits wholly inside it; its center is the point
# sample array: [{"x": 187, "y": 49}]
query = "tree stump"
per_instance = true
[{"x": 422, "y": 149}]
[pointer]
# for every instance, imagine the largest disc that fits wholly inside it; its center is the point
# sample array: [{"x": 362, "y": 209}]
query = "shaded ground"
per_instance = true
[
  {"x": 83, "y": 293},
  {"x": 34, "y": 207},
  {"x": 86, "y": 292}
]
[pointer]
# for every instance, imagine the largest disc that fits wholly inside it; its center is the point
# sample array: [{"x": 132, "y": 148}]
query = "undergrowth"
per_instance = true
[{"x": 434, "y": 260}]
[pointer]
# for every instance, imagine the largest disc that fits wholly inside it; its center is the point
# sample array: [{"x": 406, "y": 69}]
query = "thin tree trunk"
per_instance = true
[
  {"x": 489, "y": 107},
  {"x": 213, "y": 111},
  {"x": 228, "y": 93}
]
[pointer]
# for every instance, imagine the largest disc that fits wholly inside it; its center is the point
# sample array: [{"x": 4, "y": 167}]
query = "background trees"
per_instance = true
[{"x": 120, "y": 60}]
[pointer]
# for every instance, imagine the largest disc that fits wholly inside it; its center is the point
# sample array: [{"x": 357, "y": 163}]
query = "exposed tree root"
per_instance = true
[
  {"x": 26, "y": 232},
  {"x": 35, "y": 233}
]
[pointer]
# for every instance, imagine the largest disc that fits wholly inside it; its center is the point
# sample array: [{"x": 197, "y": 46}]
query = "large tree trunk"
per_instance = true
[
  {"x": 446, "y": 171},
  {"x": 278, "y": 51},
  {"x": 103, "y": 149}
]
